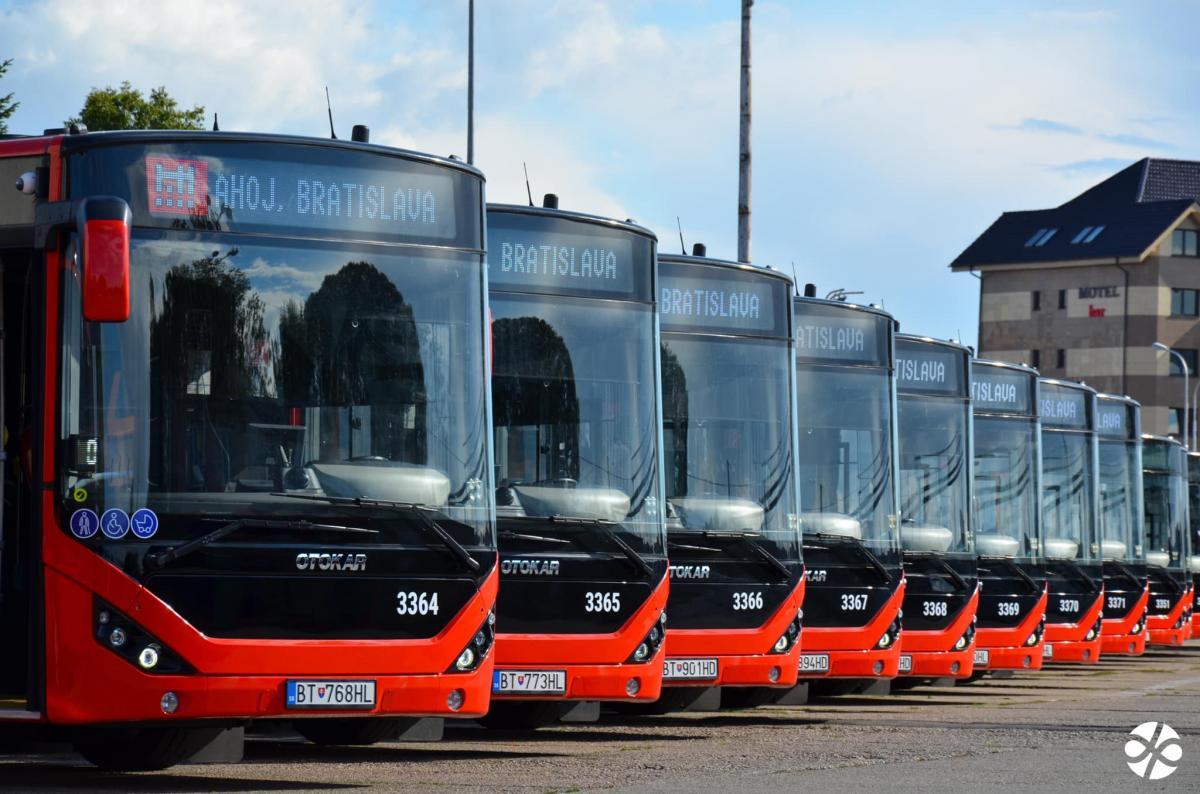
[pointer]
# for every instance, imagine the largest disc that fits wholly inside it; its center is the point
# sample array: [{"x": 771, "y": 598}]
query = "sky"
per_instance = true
[{"x": 886, "y": 135}]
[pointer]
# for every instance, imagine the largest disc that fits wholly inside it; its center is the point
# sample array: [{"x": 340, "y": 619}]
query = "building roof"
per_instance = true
[{"x": 1119, "y": 218}]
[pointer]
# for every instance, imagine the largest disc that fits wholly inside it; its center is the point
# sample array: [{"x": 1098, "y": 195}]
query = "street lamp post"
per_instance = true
[{"x": 1183, "y": 420}]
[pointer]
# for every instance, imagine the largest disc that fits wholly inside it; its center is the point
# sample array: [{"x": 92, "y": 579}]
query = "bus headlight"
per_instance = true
[
  {"x": 650, "y": 644},
  {"x": 117, "y": 632},
  {"x": 789, "y": 638},
  {"x": 890, "y": 636},
  {"x": 470, "y": 657}
]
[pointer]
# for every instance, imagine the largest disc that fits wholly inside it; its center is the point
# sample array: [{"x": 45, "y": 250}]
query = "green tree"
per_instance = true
[
  {"x": 7, "y": 106},
  {"x": 125, "y": 108}
]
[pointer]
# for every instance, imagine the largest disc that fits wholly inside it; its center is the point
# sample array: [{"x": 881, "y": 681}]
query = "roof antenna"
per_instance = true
[
  {"x": 216, "y": 124},
  {"x": 795, "y": 279},
  {"x": 329, "y": 107},
  {"x": 528, "y": 191},
  {"x": 682, "y": 245}
]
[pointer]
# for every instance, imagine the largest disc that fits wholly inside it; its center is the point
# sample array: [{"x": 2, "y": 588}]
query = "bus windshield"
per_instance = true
[
  {"x": 1165, "y": 487},
  {"x": 728, "y": 437},
  {"x": 845, "y": 455},
  {"x": 1006, "y": 500},
  {"x": 252, "y": 367},
  {"x": 934, "y": 489},
  {"x": 1068, "y": 482},
  {"x": 576, "y": 429},
  {"x": 1120, "y": 481}
]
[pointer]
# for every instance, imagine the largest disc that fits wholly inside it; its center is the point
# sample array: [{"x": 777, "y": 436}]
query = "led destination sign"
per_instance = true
[
  {"x": 1059, "y": 406},
  {"x": 534, "y": 253},
  {"x": 999, "y": 389},
  {"x": 308, "y": 190},
  {"x": 1115, "y": 419},
  {"x": 929, "y": 369},
  {"x": 827, "y": 333},
  {"x": 699, "y": 297}
]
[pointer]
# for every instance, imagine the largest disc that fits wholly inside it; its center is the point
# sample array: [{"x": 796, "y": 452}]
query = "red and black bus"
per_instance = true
[
  {"x": 1165, "y": 483},
  {"x": 933, "y": 388},
  {"x": 1008, "y": 538},
  {"x": 576, "y": 425},
  {"x": 1123, "y": 556},
  {"x": 846, "y": 407},
  {"x": 245, "y": 395},
  {"x": 1070, "y": 504},
  {"x": 1194, "y": 544},
  {"x": 729, "y": 440}
]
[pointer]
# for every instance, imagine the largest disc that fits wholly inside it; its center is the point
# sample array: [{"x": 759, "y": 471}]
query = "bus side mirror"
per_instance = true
[{"x": 104, "y": 223}]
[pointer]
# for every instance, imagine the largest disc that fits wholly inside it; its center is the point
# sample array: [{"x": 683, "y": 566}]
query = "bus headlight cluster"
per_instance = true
[
  {"x": 650, "y": 644},
  {"x": 890, "y": 637},
  {"x": 117, "y": 632},
  {"x": 1036, "y": 635},
  {"x": 966, "y": 639},
  {"x": 789, "y": 638},
  {"x": 477, "y": 649},
  {"x": 1094, "y": 631}
]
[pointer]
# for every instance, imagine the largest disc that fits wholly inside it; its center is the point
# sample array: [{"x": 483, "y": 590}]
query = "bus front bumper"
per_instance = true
[{"x": 631, "y": 683}]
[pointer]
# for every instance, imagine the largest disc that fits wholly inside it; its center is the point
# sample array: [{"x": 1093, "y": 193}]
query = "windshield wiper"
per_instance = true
[
  {"x": 508, "y": 534},
  {"x": 160, "y": 559},
  {"x": 748, "y": 539},
  {"x": 875, "y": 562},
  {"x": 1010, "y": 563},
  {"x": 604, "y": 528},
  {"x": 1137, "y": 580},
  {"x": 945, "y": 566},
  {"x": 411, "y": 509}
]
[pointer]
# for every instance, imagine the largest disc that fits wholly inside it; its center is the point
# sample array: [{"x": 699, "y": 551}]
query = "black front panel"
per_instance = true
[
  {"x": 1009, "y": 593},
  {"x": 1123, "y": 586},
  {"x": 723, "y": 586},
  {"x": 1166, "y": 588},
  {"x": 843, "y": 588},
  {"x": 933, "y": 596},
  {"x": 1074, "y": 588},
  {"x": 585, "y": 588}
]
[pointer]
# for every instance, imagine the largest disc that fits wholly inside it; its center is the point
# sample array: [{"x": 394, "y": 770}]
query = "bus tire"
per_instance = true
[
  {"x": 351, "y": 731},
  {"x": 141, "y": 749},
  {"x": 522, "y": 716}
]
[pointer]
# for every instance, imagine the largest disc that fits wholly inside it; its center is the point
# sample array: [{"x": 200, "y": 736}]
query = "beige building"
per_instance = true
[{"x": 1082, "y": 291}]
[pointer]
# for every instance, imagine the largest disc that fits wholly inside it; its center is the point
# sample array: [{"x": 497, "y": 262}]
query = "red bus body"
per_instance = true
[{"x": 73, "y": 678}]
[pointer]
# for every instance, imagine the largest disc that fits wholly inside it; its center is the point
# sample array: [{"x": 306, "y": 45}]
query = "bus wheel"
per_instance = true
[
  {"x": 748, "y": 697},
  {"x": 141, "y": 749},
  {"x": 522, "y": 716},
  {"x": 351, "y": 731}
]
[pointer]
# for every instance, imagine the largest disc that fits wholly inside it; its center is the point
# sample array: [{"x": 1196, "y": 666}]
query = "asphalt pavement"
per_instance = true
[{"x": 1065, "y": 728}]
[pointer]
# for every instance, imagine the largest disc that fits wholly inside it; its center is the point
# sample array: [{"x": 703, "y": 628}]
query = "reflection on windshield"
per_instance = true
[
  {"x": 845, "y": 454},
  {"x": 1068, "y": 518},
  {"x": 573, "y": 408},
  {"x": 933, "y": 468},
  {"x": 1119, "y": 523},
  {"x": 1166, "y": 504},
  {"x": 318, "y": 369},
  {"x": 1006, "y": 502},
  {"x": 727, "y": 437}
]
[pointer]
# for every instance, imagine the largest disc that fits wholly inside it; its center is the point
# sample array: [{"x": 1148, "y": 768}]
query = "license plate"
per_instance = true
[
  {"x": 530, "y": 682},
  {"x": 330, "y": 694},
  {"x": 689, "y": 669},
  {"x": 905, "y": 664},
  {"x": 1047, "y": 651},
  {"x": 982, "y": 658},
  {"x": 814, "y": 663}
]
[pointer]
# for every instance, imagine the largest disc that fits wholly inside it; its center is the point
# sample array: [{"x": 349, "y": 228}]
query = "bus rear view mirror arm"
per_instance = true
[{"x": 102, "y": 224}]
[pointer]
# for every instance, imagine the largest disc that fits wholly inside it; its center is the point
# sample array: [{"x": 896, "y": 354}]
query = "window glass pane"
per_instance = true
[
  {"x": 1176, "y": 301},
  {"x": 1176, "y": 243},
  {"x": 1084, "y": 232},
  {"x": 1095, "y": 233},
  {"x": 1173, "y": 421},
  {"x": 1189, "y": 302},
  {"x": 1035, "y": 237},
  {"x": 1189, "y": 243}
]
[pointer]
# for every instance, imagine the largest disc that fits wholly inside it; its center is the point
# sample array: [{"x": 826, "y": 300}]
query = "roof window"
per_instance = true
[
  {"x": 1087, "y": 234},
  {"x": 1040, "y": 237}
]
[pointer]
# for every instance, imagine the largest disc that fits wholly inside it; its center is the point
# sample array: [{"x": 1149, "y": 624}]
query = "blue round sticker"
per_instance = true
[
  {"x": 84, "y": 523},
  {"x": 143, "y": 523},
  {"x": 114, "y": 524}
]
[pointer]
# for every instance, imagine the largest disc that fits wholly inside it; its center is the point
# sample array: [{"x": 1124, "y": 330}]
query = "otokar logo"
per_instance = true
[
  {"x": 1155, "y": 751},
  {"x": 331, "y": 562}
]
